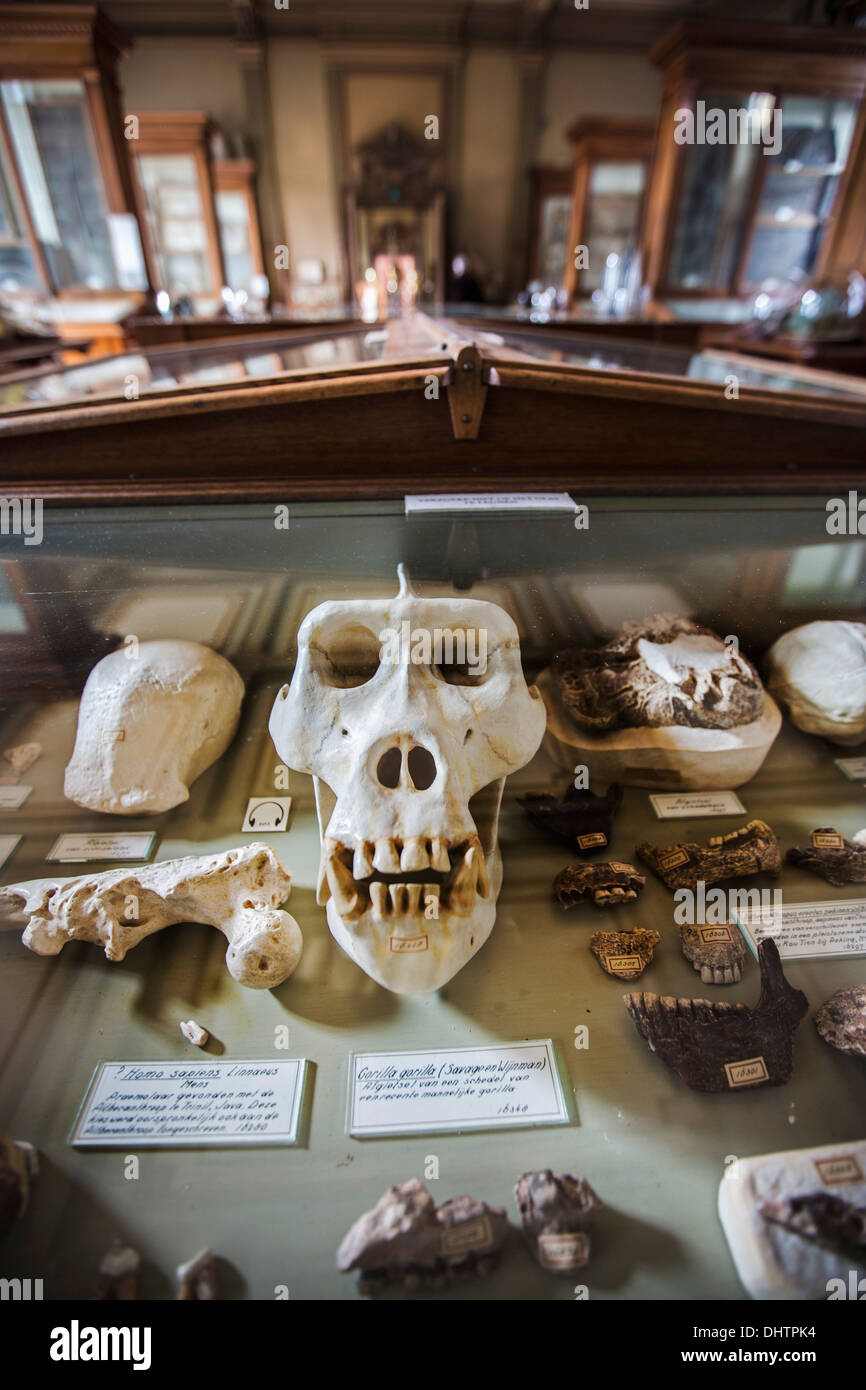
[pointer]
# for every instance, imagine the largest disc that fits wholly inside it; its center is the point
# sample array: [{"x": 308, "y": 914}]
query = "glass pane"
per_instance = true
[
  {"x": 176, "y": 219},
  {"x": 552, "y": 239},
  {"x": 800, "y": 187},
  {"x": 615, "y": 195},
  {"x": 17, "y": 262},
  {"x": 234, "y": 223},
  {"x": 51, "y": 138},
  {"x": 713, "y": 202}
]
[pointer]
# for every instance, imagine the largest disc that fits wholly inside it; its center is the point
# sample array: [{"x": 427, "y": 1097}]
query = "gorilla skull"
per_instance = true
[{"x": 409, "y": 713}]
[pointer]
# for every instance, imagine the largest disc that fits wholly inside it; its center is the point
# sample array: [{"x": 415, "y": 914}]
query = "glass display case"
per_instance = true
[
  {"x": 612, "y": 159},
  {"x": 249, "y": 484}
]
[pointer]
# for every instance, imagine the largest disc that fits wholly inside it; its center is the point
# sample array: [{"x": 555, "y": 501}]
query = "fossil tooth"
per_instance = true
[
  {"x": 197, "y": 1278},
  {"x": 386, "y": 860},
  {"x": 557, "y": 1212},
  {"x": 362, "y": 864},
  {"x": 413, "y": 897},
  {"x": 349, "y": 902},
  {"x": 431, "y": 890},
  {"x": 461, "y": 896},
  {"x": 379, "y": 898},
  {"x": 476, "y": 854},
  {"x": 397, "y": 894},
  {"x": 414, "y": 856},
  {"x": 439, "y": 859},
  {"x": 726, "y": 1047}
]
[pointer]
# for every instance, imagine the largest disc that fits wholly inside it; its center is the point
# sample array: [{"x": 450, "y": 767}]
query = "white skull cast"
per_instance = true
[{"x": 409, "y": 713}]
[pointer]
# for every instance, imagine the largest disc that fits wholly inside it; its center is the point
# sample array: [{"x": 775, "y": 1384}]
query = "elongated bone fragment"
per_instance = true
[
  {"x": 238, "y": 891},
  {"x": 557, "y": 1212},
  {"x": 750, "y": 850}
]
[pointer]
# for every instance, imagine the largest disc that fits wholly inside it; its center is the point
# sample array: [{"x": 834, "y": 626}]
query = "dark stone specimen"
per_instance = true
[
  {"x": 624, "y": 954},
  {"x": 830, "y": 855},
  {"x": 841, "y": 1020},
  {"x": 584, "y": 821},
  {"x": 406, "y": 1239},
  {"x": 726, "y": 1047},
  {"x": 749, "y": 850},
  {"x": 824, "y": 1219},
  {"x": 691, "y": 678},
  {"x": 604, "y": 885},
  {"x": 557, "y": 1212}
]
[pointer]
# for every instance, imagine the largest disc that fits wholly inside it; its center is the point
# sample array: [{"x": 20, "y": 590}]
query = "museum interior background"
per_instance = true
[{"x": 334, "y": 157}]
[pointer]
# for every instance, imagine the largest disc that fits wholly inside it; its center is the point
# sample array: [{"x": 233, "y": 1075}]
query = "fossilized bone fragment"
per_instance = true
[
  {"x": 624, "y": 954},
  {"x": 818, "y": 672},
  {"x": 841, "y": 1020},
  {"x": 19, "y": 1164},
  {"x": 238, "y": 891},
  {"x": 750, "y": 850},
  {"x": 726, "y": 1047},
  {"x": 665, "y": 670},
  {"x": 194, "y": 1033},
  {"x": 824, "y": 1219},
  {"x": 118, "y": 1274},
  {"x": 409, "y": 735},
  {"x": 584, "y": 821},
  {"x": 150, "y": 721},
  {"x": 196, "y": 1279},
  {"x": 603, "y": 885},
  {"x": 716, "y": 952},
  {"x": 557, "y": 1212},
  {"x": 832, "y": 857},
  {"x": 22, "y": 756},
  {"x": 406, "y": 1239}
]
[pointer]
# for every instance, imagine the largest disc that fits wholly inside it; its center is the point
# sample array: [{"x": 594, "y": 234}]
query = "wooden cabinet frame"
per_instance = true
[
  {"x": 546, "y": 182},
  {"x": 708, "y": 55},
  {"x": 602, "y": 139},
  {"x": 239, "y": 176}
]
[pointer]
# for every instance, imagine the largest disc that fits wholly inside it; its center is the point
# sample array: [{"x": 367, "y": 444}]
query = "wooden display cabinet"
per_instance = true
[
  {"x": 724, "y": 218},
  {"x": 612, "y": 159},
  {"x": 550, "y": 218},
  {"x": 238, "y": 219}
]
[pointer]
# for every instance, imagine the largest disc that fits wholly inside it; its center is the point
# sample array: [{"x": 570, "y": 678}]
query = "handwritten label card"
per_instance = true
[
  {"x": 115, "y": 844},
  {"x": 461, "y": 1088},
  {"x": 7, "y": 844},
  {"x": 161, "y": 1105},
  {"x": 489, "y": 502},
  {"x": 805, "y": 931},
  {"x": 853, "y": 768},
  {"x": 688, "y": 805},
  {"x": 12, "y": 797}
]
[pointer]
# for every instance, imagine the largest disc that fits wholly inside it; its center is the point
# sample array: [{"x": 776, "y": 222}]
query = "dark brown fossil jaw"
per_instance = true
[
  {"x": 750, "y": 850},
  {"x": 721, "y": 1046},
  {"x": 581, "y": 819},
  {"x": 603, "y": 885},
  {"x": 830, "y": 855}
]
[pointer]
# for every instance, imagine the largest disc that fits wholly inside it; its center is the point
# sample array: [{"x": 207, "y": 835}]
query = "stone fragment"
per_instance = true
[
  {"x": 579, "y": 818},
  {"x": 118, "y": 1274},
  {"x": 726, "y": 1047},
  {"x": 197, "y": 1279},
  {"x": 624, "y": 954},
  {"x": 238, "y": 891},
  {"x": 750, "y": 850},
  {"x": 406, "y": 1239},
  {"x": 841, "y": 1020},
  {"x": 194, "y": 1033},
  {"x": 557, "y": 1212},
  {"x": 716, "y": 952},
  {"x": 604, "y": 885},
  {"x": 832, "y": 857},
  {"x": 823, "y": 1218}
]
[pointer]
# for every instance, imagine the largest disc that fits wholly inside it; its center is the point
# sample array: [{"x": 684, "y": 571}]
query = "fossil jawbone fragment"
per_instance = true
[
  {"x": 624, "y": 954},
  {"x": 238, "y": 891},
  {"x": 666, "y": 703},
  {"x": 832, "y": 857},
  {"x": 716, "y": 952},
  {"x": 406, "y": 1239},
  {"x": 818, "y": 672},
  {"x": 557, "y": 1212},
  {"x": 823, "y": 1218},
  {"x": 725, "y": 1047},
  {"x": 841, "y": 1020},
  {"x": 151, "y": 720},
  {"x": 409, "y": 735},
  {"x": 750, "y": 850},
  {"x": 604, "y": 885},
  {"x": 580, "y": 818}
]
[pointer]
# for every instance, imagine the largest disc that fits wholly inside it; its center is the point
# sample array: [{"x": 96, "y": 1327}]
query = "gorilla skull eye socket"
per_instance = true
[{"x": 346, "y": 658}]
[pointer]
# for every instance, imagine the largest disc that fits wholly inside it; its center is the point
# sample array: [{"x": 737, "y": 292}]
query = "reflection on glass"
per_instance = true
[
  {"x": 553, "y": 238},
  {"x": 17, "y": 262},
  {"x": 51, "y": 140},
  {"x": 800, "y": 186},
  {"x": 236, "y": 238},
  {"x": 176, "y": 220},
  {"x": 613, "y": 219}
]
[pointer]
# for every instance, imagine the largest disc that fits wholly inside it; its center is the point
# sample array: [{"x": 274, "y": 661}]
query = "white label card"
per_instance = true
[
  {"x": 164, "y": 1104},
  {"x": 115, "y": 844},
  {"x": 13, "y": 797},
  {"x": 693, "y": 805},
  {"x": 7, "y": 844},
  {"x": 267, "y": 813},
  {"x": 463, "y": 1088},
  {"x": 853, "y": 768},
  {"x": 805, "y": 931},
  {"x": 489, "y": 502}
]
